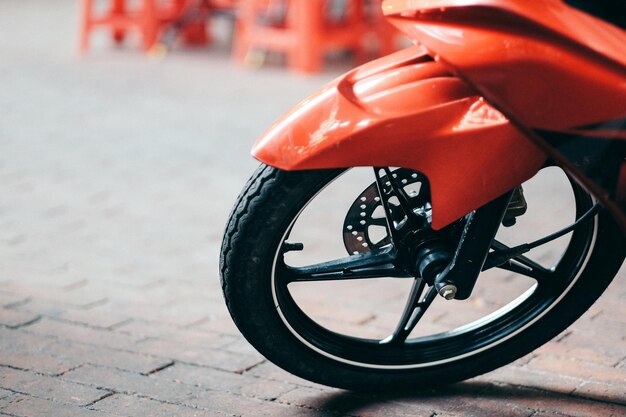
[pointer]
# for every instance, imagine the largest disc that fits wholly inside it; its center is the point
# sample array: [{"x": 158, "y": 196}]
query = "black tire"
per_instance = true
[{"x": 265, "y": 210}]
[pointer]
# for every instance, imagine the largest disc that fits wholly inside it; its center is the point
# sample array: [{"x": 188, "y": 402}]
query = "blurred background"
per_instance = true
[{"x": 118, "y": 158}]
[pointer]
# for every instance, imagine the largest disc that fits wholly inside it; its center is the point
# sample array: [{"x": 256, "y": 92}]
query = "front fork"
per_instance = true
[
  {"x": 453, "y": 276},
  {"x": 473, "y": 253},
  {"x": 458, "y": 279}
]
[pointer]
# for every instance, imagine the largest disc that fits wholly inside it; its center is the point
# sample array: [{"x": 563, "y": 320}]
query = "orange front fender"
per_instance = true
[{"x": 406, "y": 110}]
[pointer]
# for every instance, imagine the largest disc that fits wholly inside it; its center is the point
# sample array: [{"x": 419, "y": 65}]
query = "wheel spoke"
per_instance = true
[
  {"x": 384, "y": 199},
  {"x": 403, "y": 198},
  {"x": 522, "y": 265},
  {"x": 362, "y": 266},
  {"x": 413, "y": 312},
  {"x": 380, "y": 221}
]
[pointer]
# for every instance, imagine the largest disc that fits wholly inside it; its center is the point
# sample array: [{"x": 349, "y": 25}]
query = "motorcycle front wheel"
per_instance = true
[{"x": 294, "y": 268}]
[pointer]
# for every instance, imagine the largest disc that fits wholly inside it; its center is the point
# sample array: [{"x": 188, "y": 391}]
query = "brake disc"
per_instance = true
[{"x": 366, "y": 227}]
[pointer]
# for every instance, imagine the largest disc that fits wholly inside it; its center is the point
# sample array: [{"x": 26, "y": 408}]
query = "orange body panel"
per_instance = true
[
  {"x": 543, "y": 63},
  {"x": 406, "y": 110},
  {"x": 461, "y": 110}
]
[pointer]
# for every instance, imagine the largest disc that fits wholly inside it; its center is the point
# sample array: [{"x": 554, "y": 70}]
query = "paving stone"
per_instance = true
[
  {"x": 7, "y": 397},
  {"x": 608, "y": 356},
  {"x": 216, "y": 358},
  {"x": 130, "y": 383},
  {"x": 10, "y": 299},
  {"x": 240, "y": 346},
  {"x": 613, "y": 393},
  {"x": 96, "y": 355},
  {"x": 543, "y": 401},
  {"x": 50, "y": 355},
  {"x": 242, "y": 406},
  {"x": 603, "y": 341},
  {"x": 45, "y": 308},
  {"x": 549, "y": 414},
  {"x": 48, "y": 388},
  {"x": 268, "y": 370},
  {"x": 578, "y": 369},
  {"x": 16, "y": 318},
  {"x": 547, "y": 381},
  {"x": 470, "y": 399},
  {"x": 190, "y": 336},
  {"x": 93, "y": 318},
  {"x": 20, "y": 339},
  {"x": 226, "y": 381},
  {"x": 39, "y": 362},
  {"x": 339, "y": 401},
  {"x": 83, "y": 334},
  {"x": 144, "y": 329},
  {"x": 4, "y": 393},
  {"x": 24, "y": 406},
  {"x": 223, "y": 324},
  {"x": 76, "y": 298},
  {"x": 126, "y": 405}
]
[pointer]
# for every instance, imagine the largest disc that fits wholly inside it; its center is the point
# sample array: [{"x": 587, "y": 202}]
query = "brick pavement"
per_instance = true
[{"x": 113, "y": 204}]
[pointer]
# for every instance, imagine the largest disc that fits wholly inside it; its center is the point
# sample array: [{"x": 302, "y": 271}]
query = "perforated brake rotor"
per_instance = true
[{"x": 365, "y": 227}]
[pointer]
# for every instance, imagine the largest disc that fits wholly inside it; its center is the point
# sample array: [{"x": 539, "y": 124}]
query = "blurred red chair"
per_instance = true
[
  {"x": 145, "y": 17},
  {"x": 120, "y": 20},
  {"x": 304, "y": 30},
  {"x": 192, "y": 21},
  {"x": 387, "y": 37}
]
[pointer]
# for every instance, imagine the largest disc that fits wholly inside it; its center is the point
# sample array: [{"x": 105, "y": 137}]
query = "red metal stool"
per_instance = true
[
  {"x": 120, "y": 20},
  {"x": 192, "y": 21},
  {"x": 189, "y": 22},
  {"x": 146, "y": 17},
  {"x": 388, "y": 38},
  {"x": 304, "y": 30}
]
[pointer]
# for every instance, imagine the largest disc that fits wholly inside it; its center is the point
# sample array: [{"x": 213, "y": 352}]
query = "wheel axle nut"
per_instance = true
[{"x": 448, "y": 291}]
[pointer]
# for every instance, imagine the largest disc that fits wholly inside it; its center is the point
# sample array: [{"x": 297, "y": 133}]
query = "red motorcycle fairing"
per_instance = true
[
  {"x": 556, "y": 72},
  {"x": 547, "y": 64},
  {"x": 407, "y": 110}
]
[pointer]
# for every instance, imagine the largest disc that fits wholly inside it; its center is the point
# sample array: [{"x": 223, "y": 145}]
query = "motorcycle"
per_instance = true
[{"x": 446, "y": 138}]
